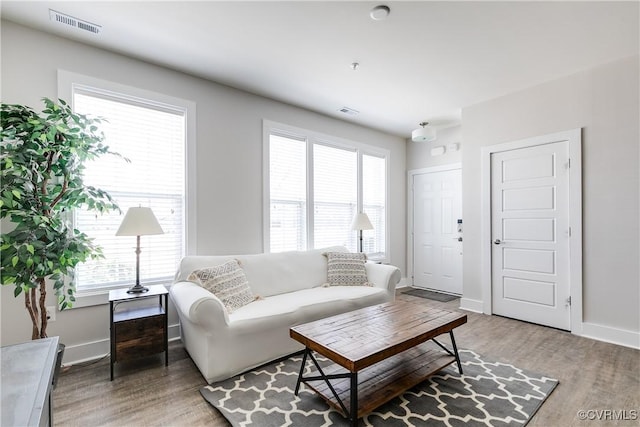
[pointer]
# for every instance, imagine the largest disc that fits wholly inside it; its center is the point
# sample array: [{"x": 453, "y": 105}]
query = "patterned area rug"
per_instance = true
[{"x": 488, "y": 394}]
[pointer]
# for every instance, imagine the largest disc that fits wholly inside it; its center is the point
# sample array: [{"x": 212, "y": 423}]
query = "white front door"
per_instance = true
[
  {"x": 437, "y": 245},
  {"x": 530, "y": 234}
]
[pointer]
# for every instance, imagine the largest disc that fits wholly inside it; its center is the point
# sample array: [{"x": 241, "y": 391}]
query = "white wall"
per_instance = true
[
  {"x": 603, "y": 101},
  {"x": 229, "y": 159}
]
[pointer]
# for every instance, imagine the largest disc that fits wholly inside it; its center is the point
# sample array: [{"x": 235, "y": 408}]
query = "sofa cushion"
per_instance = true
[
  {"x": 346, "y": 269},
  {"x": 227, "y": 282},
  {"x": 308, "y": 304}
]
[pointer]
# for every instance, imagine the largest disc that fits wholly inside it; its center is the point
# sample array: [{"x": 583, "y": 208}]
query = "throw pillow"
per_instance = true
[
  {"x": 227, "y": 282},
  {"x": 346, "y": 269}
]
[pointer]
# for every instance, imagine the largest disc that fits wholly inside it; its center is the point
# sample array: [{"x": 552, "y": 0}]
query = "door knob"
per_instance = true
[{"x": 497, "y": 242}]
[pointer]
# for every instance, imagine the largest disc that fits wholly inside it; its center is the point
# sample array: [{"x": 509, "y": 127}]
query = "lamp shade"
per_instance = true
[
  {"x": 139, "y": 222},
  {"x": 361, "y": 222},
  {"x": 423, "y": 134}
]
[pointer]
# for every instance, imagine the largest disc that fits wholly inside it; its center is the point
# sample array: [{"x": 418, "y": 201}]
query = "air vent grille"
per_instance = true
[
  {"x": 349, "y": 111},
  {"x": 65, "y": 19}
]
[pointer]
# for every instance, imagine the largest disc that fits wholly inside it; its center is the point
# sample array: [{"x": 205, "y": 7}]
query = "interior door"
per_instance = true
[
  {"x": 437, "y": 244},
  {"x": 530, "y": 234}
]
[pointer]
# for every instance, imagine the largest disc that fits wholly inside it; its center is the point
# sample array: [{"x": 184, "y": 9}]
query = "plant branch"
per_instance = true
[
  {"x": 63, "y": 190},
  {"x": 43, "y": 308},
  {"x": 45, "y": 181},
  {"x": 28, "y": 297}
]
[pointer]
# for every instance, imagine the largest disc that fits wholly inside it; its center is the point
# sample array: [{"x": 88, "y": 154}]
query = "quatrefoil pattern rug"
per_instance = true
[{"x": 488, "y": 394}]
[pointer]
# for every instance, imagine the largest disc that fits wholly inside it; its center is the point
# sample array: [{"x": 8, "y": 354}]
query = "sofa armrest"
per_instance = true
[
  {"x": 198, "y": 305},
  {"x": 383, "y": 275}
]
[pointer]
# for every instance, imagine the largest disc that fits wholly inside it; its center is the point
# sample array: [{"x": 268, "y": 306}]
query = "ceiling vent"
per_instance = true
[
  {"x": 73, "y": 22},
  {"x": 349, "y": 111}
]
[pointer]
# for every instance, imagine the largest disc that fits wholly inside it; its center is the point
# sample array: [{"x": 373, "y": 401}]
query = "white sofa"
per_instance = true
[{"x": 224, "y": 344}]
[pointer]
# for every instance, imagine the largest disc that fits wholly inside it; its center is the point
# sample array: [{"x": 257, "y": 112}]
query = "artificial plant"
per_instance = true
[{"x": 42, "y": 159}]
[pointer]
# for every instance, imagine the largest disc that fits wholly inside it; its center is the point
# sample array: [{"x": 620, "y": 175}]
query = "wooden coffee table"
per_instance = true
[{"x": 383, "y": 349}]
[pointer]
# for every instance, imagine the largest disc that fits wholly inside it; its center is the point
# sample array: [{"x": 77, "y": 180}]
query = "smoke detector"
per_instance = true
[
  {"x": 380, "y": 12},
  {"x": 71, "y": 21}
]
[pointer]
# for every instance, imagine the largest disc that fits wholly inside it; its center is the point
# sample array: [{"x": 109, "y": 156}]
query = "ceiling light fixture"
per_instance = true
[
  {"x": 380, "y": 13},
  {"x": 355, "y": 65},
  {"x": 423, "y": 133}
]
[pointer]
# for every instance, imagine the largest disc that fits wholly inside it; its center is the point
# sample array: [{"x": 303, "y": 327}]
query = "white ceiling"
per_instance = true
[{"x": 426, "y": 61}]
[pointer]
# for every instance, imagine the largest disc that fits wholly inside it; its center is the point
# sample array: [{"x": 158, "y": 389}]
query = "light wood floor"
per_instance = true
[{"x": 593, "y": 376}]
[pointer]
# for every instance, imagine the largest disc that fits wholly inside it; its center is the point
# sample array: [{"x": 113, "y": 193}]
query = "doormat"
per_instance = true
[
  {"x": 436, "y": 296},
  {"x": 488, "y": 394}
]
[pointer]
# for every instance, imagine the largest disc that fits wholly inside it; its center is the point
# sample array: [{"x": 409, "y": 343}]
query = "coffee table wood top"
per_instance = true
[{"x": 361, "y": 338}]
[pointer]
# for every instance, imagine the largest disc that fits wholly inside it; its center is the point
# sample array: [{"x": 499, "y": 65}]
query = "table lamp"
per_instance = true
[
  {"x": 139, "y": 222},
  {"x": 361, "y": 222}
]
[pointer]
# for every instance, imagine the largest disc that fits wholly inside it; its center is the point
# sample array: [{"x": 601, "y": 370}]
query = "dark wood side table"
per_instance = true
[{"x": 138, "y": 331}]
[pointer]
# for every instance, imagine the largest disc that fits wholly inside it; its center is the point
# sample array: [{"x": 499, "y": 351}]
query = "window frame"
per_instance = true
[
  {"x": 69, "y": 82},
  {"x": 310, "y": 138}
]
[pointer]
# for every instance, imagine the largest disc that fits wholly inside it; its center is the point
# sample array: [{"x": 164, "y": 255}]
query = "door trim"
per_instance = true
[
  {"x": 410, "y": 174},
  {"x": 574, "y": 138}
]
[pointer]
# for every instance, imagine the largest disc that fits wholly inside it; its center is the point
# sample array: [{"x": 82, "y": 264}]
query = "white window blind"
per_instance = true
[
  {"x": 335, "y": 193},
  {"x": 153, "y": 137},
  {"x": 288, "y": 189},
  {"x": 315, "y": 189},
  {"x": 374, "y": 196}
]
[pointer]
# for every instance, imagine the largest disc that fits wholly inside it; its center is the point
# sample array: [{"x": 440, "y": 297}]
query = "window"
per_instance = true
[
  {"x": 315, "y": 185},
  {"x": 288, "y": 194},
  {"x": 374, "y": 184},
  {"x": 152, "y": 136}
]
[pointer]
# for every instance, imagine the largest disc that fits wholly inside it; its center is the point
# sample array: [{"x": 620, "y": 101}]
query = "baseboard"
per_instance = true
[
  {"x": 611, "y": 335},
  {"x": 403, "y": 283},
  {"x": 471, "y": 305},
  {"x": 90, "y": 351}
]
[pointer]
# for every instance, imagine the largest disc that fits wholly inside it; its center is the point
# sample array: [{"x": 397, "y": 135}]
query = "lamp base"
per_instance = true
[{"x": 137, "y": 289}]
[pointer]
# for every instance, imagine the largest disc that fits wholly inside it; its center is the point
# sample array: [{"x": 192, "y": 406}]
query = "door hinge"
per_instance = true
[
  {"x": 569, "y": 302},
  {"x": 569, "y": 164},
  {"x": 569, "y": 231}
]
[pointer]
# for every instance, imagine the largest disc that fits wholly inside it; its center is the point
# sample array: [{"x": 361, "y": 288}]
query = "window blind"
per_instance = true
[
  {"x": 335, "y": 192},
  {"x": 374, "y": 196},
  {"x": 153, "y": 138},
  {"x": 288, "y": 190}
]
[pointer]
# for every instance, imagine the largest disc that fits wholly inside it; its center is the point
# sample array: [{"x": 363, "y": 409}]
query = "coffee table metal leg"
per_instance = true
[
  {"x": 353, "y": 412},
  {"x": 304, "y": 362},
  {"x": 455, "y": 350},
  {"x": 324, "y": 377}
]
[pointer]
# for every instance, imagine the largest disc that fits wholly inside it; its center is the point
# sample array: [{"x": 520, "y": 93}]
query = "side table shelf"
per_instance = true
[{"x": 138, "y": 331}]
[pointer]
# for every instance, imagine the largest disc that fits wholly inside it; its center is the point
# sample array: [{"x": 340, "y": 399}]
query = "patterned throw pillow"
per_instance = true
[
  {"x": 227, "y": 282},
  {"x": 346, "y": 269}
]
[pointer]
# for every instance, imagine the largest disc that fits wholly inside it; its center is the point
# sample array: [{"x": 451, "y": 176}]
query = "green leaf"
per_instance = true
[
  {"x": 16, "y": 194},
  {"x": 31, "y": 249},
  {"x": 14, "y": 260}
]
